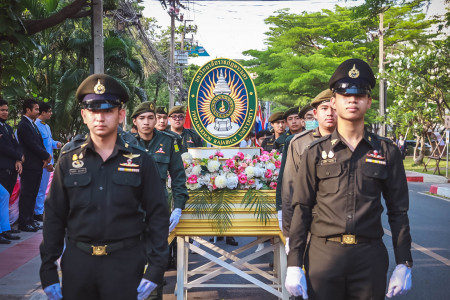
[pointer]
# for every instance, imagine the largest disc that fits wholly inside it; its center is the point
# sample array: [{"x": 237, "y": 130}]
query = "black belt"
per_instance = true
[
  {"x": 105, "y": 249},
  {"x": 348, "y": 239}
]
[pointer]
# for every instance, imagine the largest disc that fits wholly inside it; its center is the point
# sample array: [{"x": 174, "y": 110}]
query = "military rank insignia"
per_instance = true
[
  {"x": 375, "y": 158},
  {"x": 77, "y": 161},
  {"x": 129, "y": 166}
]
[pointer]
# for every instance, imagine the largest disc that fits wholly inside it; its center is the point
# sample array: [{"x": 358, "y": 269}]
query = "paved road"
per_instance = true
[{"x": 430, "y": 227}]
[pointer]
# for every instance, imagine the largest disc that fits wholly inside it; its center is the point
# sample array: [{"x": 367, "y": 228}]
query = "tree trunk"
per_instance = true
[{"x": 419, "y": 158}]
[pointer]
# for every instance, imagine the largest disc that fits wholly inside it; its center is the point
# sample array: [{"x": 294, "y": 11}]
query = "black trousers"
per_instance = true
[
  {"x": 346, "y": 272},
  {"x": 113, "y": 276},
  {"x": 8, "y": 179},
  {"x": 30, "y": 180}
]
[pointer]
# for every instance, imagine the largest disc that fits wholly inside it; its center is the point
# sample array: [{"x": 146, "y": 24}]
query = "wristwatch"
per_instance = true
[{"x": 409, "y": 264}]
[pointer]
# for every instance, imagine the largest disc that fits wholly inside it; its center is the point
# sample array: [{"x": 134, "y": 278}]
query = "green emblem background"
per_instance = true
[{"x": 193, "y": 103}]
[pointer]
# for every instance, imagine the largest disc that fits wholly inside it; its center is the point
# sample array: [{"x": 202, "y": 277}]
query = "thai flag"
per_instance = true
[{"x": 260, "y": 120}]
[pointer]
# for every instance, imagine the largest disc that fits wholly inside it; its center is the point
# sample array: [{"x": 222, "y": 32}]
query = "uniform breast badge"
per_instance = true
[
  {"x": 160, "y": 150},
  {"x": 375, "y": 158},
  {"x": 78, "y": 164},
  {"x": 327, "y": 158},
  {"x": 190, "y": 140},
  {"x": 129, "y": 166}
]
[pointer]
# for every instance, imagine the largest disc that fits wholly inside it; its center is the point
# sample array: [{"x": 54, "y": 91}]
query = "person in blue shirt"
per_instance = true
[{"x": 45, "y": 113}]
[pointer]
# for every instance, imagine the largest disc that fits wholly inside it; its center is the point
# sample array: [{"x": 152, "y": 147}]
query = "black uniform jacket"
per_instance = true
[
  {"x": 190, "y": 139},
  {"x": 10, "y": 151},
  {"x": 340, "y": 193},
  {"x": 94, "y": 201},
  {"x": 32, "y": 145}
]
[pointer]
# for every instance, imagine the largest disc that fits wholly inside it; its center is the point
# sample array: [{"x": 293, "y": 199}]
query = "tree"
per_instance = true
[
  {"x": 304, "y": 49},
  {"x": 420, "y": 87}
]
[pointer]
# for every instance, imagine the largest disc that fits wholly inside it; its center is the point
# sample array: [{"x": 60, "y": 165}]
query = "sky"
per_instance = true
[{"x": 227, "y": 28}]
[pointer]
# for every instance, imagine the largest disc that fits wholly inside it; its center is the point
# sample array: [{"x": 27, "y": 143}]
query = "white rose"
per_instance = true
[
  {"x": 270, "y": 166},
  {"x": 232, "y": 181},
  {"x": 213, "y": 165},
  {"x": 250, "y": 172},
  {"x": 220, "y": 181},
  {"x": 186, "y": 157},
  {"x": 259, "y": 172},
  {"x": 196, "y": 170}
]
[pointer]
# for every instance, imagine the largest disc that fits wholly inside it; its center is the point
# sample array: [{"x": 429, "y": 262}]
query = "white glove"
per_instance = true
[
  {"x": 145, "y": 288},
  {"x": 53, "y": 292},
  {"x": 174, "y": 219},
  {"x": 400, "y": 282},
  {"x": 296, "y": 282},
  {"x": 286, "y": 246},
  {"x": 280, "y": 219}
]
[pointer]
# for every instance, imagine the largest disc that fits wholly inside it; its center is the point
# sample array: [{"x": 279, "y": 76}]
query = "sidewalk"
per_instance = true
[{"x": 422, "y": 177}]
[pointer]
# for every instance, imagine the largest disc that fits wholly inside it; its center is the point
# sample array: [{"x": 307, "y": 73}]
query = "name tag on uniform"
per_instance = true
[
  {"x": 77, "y": 171},
  {"x": 328, "y": 161}
]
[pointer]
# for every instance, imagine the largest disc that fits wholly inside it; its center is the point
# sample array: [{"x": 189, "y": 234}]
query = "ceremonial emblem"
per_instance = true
[
  {"x": 129, "y": 162},
  {"x": 76, "y": 161},
  {"x": 222, "y": 102},
  {"x": 354, "y": 72},
  {"x": 99, "y": 88},
  {"x": 161, "y": 150}
]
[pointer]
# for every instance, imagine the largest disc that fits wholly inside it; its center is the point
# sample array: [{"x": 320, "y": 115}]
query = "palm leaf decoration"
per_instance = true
[{"x": 261, "y": 204}]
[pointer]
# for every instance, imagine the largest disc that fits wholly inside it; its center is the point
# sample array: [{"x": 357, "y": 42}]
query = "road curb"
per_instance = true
[
  {"x": 420, "y": 177},
  {"x": 440, "y": 190}
]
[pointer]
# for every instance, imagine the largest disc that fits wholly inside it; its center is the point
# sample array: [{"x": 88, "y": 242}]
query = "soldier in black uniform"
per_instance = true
[
  {"x": 107, "y": 200},
  {"x": 339, "y": 202},
  {"x": 11, "y": 159},
  {"x": 278, "y": 124},
  {"x": 295, "y": 125},
  {"x": 292, "y": 156},
  {"x": 189, "y": 138}
]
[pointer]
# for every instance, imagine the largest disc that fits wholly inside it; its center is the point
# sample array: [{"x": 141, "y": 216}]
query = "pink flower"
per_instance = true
[
  {"x": 273, "y": 185},
  {"x": 185, "y": 165},
  {"x": 240, "y": 169},
  {"x": 277, "y": 164},
  {"x": 214, "y": 187},
  {"x": 229, "y": 163},
  {"x": 240, "y": 155},
  {"x": 264, "y": 157},
  {"x": 192, "y": 179},
  {"x": 255, "y": 161},
  {"x": 251, "y": 181},
  {"x": 211, "y": 156},
  {"x": 244, "y": 165},
  {"x": 268, "y": 173},
  {"x": 219, "y": 154},
  {"x": 242, "y": 178},
  {"x": 225, "y": 168}
]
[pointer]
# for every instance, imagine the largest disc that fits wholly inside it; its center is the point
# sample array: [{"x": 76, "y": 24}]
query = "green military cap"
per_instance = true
[
  {"x": 176, "y": 110},
  {"x": 291, "y": 111},
  {"x": 353, "y": 76},
  {"x": 324, "y": 96},
  {"x": 101, "y": 91},
  {"x": 276, "y": 117},
  {"x": 161, "y": 110},
  {"x": 143, "y": 108},
  {"x": 304, "y": 110}
]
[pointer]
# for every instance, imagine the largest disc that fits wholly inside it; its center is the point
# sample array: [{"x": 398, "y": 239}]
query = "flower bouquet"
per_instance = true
[{"x": 218, "y": 186}]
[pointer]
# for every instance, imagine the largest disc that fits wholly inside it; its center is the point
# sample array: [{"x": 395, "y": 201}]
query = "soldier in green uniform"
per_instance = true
[
  {"x": 107, "y": 203},
  {"x": 162, "y": 121},
  {"x": 189, "y": 137},
  {"x": 292, "y": 155},
  {"x": 278, "y": 124},
  {"x": 163, "y": 147},
  {"x": 295, "y": 125},
  {"x": 338, "y": 201}
]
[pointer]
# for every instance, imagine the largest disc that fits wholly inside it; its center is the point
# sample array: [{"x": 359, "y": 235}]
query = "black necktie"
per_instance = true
[{"x": 36, "y": 128}]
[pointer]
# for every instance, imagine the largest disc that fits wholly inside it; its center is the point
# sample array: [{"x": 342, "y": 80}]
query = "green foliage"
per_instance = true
[{"x": 260, "y": 203}]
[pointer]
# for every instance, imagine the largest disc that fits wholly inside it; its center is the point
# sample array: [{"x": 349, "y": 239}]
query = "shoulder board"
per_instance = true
[
  {"x": 77, "y": 142},
  {"x": 387, "y": 140},
  {"x": 299, "y": 135},
  {"x": 320, "y": 140},
  {"x": 172, "y": 136},
  {"x": 136, "y": 148},
  {"x": 192, "y": 131}
]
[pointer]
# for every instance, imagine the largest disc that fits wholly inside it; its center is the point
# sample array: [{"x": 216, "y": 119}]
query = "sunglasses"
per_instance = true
[{"x": 181, "y": 117}]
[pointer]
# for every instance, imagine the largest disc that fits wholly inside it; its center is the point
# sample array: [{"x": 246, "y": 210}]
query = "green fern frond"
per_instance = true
[{"x": 261, "y": 204}]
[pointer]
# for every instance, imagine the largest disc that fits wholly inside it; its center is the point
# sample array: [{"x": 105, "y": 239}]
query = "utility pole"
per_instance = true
[
  {"x": 171, "y": 61},
  {"x": 97, "y": 36},
  {"x": 382, "y": 131}
]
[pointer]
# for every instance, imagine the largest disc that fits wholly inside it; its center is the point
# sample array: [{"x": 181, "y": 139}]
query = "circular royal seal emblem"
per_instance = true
[{"x": 222, "y": 102}]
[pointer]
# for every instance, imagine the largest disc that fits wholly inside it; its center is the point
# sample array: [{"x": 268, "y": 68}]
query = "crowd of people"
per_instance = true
[{"x": 110, "y": 211}]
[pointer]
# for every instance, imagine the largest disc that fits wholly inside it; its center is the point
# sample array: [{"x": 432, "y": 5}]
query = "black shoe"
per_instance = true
[
  {"x": 14, "y": 231},
  {"x": 231, "y": 241},
  {"x": 9, "y": 236},
  {"x": 4, "y": 241},
  {"x": 37, "y": 225},
  {"x": 39, "y": 217},
  {"x": 28, "y": 228}
]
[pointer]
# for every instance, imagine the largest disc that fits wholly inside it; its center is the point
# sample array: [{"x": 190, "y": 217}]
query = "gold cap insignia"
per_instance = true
[
  {"x": 152, "y": 107},
  {"x": 99, "y": 88},
  {"x": 165, "y": 110},
  {"x": 354, "y": 72}
]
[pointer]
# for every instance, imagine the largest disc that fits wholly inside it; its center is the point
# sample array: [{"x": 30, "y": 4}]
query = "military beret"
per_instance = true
[
  {"x": 101, "y": 91},
  {"x": 161, "y": 110},
  {"x": 304, "y": 110},
  {"x": 324, "y": 96},
  {"x": 176, "y": 110},
  {"x": 290, "y": 111},
  {"x": 143, "y": 108},
  {"x": 276, "y": 117},
  {"x": 353, "y": 76}
]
